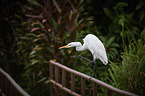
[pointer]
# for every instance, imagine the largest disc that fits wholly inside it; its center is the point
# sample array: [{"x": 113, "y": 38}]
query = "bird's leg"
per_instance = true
[
  {"x": 94, "y": 68},
  {"x": 93, "y": 71},
  {"x": 82, "y": 57},
  {"x": 89, "y": 61}
]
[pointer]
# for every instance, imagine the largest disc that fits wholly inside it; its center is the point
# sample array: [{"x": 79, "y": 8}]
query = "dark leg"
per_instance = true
[
  {"x": 89, "y": 61},
  {"x": 82, "y": 57},
  {"x": 94, "y": 68},
  {"x": 93, "y": 71}
]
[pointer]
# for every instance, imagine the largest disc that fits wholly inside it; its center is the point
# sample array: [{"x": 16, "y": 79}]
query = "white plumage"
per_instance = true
[{"x": 92, "y": 43}]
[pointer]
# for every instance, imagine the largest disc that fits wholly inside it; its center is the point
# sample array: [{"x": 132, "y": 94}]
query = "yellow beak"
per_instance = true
[{"x": 63, "y": 47}]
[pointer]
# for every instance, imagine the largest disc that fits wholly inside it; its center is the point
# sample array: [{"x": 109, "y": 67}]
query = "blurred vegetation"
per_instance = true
[{"x": 33, "y": 30}]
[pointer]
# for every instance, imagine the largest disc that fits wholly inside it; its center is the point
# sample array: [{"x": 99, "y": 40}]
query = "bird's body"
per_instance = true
[
  {"x": 96, "y": 47},
  {"x": 92, "y": 43}
]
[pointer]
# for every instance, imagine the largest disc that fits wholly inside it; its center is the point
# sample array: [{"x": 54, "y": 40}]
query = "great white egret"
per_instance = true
[{"x": 92, "y": 43}]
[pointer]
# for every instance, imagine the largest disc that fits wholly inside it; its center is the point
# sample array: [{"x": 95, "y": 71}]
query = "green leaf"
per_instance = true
[
  {"x": 120, "y": 5},
  {"x": 141, "y": 15},
  {"x": 42, "y": 80},
  {"x": 112, "y": 76},
  {"x": 36, "y": 3},
  {"x": 57, "y": 6},
  {"x": 102, "y": 39},
  {"x": 140, "y": 5},
  {"x": 114, "y": 45},
  {"x": 110, "y": 41},
  {"x": 114, "y": 50},
  {"x": 121, "y": 20},
  {"x": 72, "y": 6},
  {"x": 34, "y": 62},
  {"x": 109, "y": 13},
  {"x": 33, "y": 52}
]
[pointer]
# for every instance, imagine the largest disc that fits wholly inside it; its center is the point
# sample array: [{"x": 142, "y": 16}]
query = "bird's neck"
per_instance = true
[{"x": 80, "y": 48}]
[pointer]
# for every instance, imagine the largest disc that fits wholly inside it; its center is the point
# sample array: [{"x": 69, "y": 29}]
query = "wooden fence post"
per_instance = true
[
  {"x": 72, "y": 82},
  {"x": 63, "y": 81},
  {"x": 83, "y": 86},
  {"x": 94, "y": 89},
  {"x": 109, "y": 92},
  {"x": 56, "y": 80},
  {"x": 51, "y": 77}
]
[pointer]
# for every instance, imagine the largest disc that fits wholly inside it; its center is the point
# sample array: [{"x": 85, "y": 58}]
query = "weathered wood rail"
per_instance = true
[
  {"x": 8, "y": 87},
  {"x": 84, "y": 77}
]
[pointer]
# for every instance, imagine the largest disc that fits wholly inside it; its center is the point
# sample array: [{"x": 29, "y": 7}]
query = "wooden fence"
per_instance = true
[
  {"x": 8, "y": 87},
  {"x": 84, "y": 77}
]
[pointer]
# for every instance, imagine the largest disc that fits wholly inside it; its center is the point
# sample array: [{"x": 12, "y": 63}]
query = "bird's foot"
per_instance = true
[{"x": 90, "y": 79}]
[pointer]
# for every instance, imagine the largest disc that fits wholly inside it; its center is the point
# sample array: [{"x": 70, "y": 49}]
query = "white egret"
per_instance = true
[{"x": 92, "y": 43}]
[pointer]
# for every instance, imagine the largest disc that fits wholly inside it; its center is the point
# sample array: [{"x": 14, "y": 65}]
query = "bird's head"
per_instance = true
[{"x": 72, "y": 44}]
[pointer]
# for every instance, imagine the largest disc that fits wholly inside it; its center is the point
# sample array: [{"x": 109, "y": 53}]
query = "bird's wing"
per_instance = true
[
  {"x": 96, "y": 47},
  {"x": 93, "y": 44}
]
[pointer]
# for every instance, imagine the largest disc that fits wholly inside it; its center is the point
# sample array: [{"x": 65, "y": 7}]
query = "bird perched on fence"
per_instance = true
[{"x": 92, "y": 43}]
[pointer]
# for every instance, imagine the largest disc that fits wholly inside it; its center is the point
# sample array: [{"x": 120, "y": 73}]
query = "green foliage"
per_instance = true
[
  {"x": 129, "y": 75},
  {"x": 111, "y": 47},
  {"x": 10, "y": 19},
  {"x": 49, "y": 25},
  {"x": 31, "y": 36}
]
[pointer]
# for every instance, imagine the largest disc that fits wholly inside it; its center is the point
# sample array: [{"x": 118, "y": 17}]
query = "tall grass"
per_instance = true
[{"x": 129, "y": 75}]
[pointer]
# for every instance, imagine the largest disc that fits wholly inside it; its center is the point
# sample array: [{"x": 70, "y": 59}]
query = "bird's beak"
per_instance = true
[{"x": 63, "y": 47}]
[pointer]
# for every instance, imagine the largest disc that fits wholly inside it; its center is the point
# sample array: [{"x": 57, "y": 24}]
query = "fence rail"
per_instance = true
[
  {"x": 8, "y": 87},
  {"x": 84, "y": 77}
]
